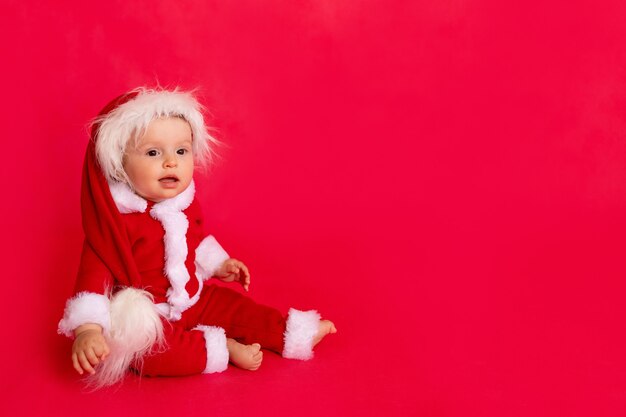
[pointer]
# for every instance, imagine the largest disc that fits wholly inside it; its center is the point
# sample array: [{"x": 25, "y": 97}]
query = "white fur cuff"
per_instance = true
[
  {"x": 216, "y": 349},
  {"x": 209, "y": 257},
  {"x": 302, "y": 326},
  {"x": 85, "y": 307}
]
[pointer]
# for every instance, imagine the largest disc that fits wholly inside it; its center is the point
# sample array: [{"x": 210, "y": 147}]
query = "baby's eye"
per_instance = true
[
  {"x": 181, "y": 151},
  {"x": 152, "y": 152}
]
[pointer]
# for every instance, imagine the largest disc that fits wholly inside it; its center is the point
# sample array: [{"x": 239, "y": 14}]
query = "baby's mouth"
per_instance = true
[{"x": 168, "y": 180}]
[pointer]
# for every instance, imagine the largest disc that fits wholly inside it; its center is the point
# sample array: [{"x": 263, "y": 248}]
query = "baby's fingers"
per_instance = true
[
  {"x": 76, "y": 364},
  {"x": 92, "y": 357},
  {"x": 228, "y": 277},
  {"x": 246, "y": 277},
  {"x": 82, "y": 359},
  {"x": 101, "y": 351},
  {"x": 105, "y": 352},
  {"x": 246, "y": 273}
]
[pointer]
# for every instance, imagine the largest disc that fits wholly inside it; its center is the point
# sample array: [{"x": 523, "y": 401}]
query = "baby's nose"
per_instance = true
[{"x": 170, "y": 161}]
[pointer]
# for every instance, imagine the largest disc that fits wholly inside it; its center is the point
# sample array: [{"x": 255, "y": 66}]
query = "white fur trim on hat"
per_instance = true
[
  {"x": 209, "y": 257},
  {"x": 85, "y": 307},
  {"x": 131, "y": 119},
  {"x": 302, "y": 326},
  {"x": 216, "y": 349}
]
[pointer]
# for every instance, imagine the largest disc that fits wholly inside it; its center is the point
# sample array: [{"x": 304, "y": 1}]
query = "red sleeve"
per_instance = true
[
  {"x": 90, "y": 303},
  {"x": 93, "y": 275}
]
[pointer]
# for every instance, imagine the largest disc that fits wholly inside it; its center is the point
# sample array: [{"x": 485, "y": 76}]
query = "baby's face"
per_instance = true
[{"x": 160, "y": 164}]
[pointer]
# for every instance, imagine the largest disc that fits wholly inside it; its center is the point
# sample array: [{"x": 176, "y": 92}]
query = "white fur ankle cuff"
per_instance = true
[
  {"x": 216, "y": 349},
  {"x": 302, "y": 326}
]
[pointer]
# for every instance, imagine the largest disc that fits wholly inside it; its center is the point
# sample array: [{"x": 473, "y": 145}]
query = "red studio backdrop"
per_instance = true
[{"x": 446, "y": 180}]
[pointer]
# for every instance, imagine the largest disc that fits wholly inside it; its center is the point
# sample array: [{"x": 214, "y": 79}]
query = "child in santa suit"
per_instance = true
[{"x": 141, "y": 298}]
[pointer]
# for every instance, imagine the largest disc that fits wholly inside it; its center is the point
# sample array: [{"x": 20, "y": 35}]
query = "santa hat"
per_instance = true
[{"x": 102, "y": 222}]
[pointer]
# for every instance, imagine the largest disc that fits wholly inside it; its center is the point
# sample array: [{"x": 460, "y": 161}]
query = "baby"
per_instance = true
[{"x": 141, "y": 299}]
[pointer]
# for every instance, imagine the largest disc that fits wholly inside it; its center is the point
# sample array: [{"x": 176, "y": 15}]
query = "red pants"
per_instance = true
[{"x": 240, "y": 317}]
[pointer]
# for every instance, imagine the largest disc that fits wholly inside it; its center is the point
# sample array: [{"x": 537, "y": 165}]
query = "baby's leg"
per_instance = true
[
  {"x": 243, "y": 319},
  {"x": 186, "y": 352},
  {"x": 247, "y": 322}
]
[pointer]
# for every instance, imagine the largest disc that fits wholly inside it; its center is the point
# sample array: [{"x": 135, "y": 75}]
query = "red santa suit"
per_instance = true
[{"x": 142, "y": 278}]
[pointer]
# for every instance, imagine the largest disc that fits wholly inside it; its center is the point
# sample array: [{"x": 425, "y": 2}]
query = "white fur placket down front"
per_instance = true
[{"x": 170, "y": 214}]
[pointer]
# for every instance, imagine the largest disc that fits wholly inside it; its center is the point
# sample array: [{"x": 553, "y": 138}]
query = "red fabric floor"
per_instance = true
[{"x": 444, "y": 180}]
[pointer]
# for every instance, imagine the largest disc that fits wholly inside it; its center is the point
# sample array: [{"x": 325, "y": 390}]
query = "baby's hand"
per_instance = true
[
  {"x": 89, "y": 348},
  {"x": 234, "y": 270}
]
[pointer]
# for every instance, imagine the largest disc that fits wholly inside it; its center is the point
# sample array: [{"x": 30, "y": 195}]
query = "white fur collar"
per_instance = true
[
  {"x": 129, "y": 202},
  {"x": 125, "y": 200},
  {"x": 178, "y": 203}
]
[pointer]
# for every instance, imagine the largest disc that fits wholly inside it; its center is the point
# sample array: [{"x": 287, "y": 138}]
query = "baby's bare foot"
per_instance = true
[
  {"x": 245, "y": 356},
  {"x": 326, "y": 327}
]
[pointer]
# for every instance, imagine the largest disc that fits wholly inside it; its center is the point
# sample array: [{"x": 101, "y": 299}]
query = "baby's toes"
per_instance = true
[
  {"x": 327, "y": 326},
  {"x": 258, "y": 359}
]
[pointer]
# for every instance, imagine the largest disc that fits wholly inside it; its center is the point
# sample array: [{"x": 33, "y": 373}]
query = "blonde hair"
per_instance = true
[{"x": 131, "y": 119}]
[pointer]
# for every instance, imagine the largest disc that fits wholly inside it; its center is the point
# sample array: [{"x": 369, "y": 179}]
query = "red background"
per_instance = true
[{"x": 446, "y": 180}]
